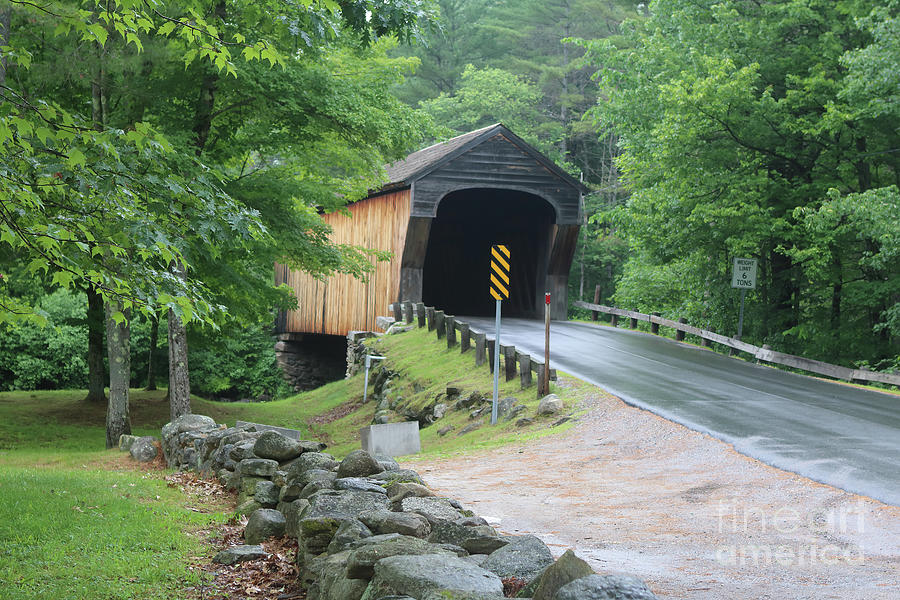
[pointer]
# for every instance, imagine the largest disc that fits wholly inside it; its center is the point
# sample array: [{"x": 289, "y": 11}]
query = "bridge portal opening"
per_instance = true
[{"x": 457, "y": 258}]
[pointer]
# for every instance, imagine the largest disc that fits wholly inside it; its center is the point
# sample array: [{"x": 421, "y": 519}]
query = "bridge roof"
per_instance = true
[{"x": 422, "y": 162}]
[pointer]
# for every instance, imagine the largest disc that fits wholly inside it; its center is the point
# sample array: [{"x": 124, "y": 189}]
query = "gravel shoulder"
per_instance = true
[{"x": 634, "y": 493}]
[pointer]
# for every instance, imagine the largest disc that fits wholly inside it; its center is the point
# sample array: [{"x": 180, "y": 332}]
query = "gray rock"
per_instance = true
[
  {"x": 266, "y": 494},
  {"x": 308, "y": 461},
  {"x": 144, "y": 449},
  {"x": 515, "y": 412},
  {"x": 247, "y": 507},
  {"x": 473, "y": 521},
  {"x": 273, "y": 445},
  {"x": 398, "y": 491},
  {"x": 605, "y": 587},
  {"x": 305, "y": 477},
  {"x": 247, "y": 485},
  {"x": 125, "y": 441},
  {"x": 359, "y": 463},
  {"x": 475, "y": 559},
  {"x": 360, "y": 484},
  {"x": 449, "y": 532},
  {"x": 524, "y": 422},
  {"x": 505, "y": 405},
  {"x": 292, "y": 515},
  {"x": 348, "y": 532},
  {"x": 189, "y": 422},
  {"x": 263, "y": 524},
  {"x": 404, "y": 523},
  {"x": 258, "y": 467},
  {"x": 445, "y": 430},
  {"x": 434, "y": 509},
  {"x": 242, "y": 450},
  {"x": 330, "y": 582},
  {"x": 361, "y": 563},
  {"x": 565, "y": 570},
  {"x": 484, "y": 544},
  {"x": 237, "y": 554},
  {"x": 439, "y": 410},
  {"x": 345, "y": 504},
  {"x": 469, "y": 428},
  {"x": 550, "y": 405},
  {"x": 400, "y": 476},
  {"x": 524, "y": 557},
  {"x": 316, "y": 485},
  {"x": 387, "y": 463},
  {"x": 289, "y": 493},
  {"x": 434, "y": 576},
  {"x": 316, "y": 533}
]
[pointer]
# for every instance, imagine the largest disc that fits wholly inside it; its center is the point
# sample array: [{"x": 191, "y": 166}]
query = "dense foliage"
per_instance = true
[{"x": 765, "y": 130}]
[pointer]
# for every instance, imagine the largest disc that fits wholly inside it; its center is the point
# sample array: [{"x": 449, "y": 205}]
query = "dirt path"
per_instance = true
[{"x": 634, "y": 493}]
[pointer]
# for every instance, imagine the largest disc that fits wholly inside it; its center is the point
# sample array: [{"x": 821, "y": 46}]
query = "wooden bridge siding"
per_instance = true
[
  {"x": 341, "y": 303},
  {"x": 500, "y": 164}
]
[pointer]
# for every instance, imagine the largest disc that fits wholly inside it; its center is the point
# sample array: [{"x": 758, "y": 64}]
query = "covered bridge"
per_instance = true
[{"x": 441, "y": 211}]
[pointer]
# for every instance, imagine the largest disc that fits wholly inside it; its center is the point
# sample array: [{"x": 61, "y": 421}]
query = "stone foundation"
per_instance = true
[{"x": 308, "y": 361}]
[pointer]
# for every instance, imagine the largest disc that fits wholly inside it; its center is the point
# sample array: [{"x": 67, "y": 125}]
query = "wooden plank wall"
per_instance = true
[{"x": 341, "y": 303}]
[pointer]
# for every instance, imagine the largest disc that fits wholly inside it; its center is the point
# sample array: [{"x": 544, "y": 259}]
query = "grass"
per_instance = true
[{"x": 81, "y": 522}]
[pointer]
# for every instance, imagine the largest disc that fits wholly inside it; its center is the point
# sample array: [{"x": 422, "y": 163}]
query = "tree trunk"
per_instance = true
[
  {"x": 95, "y": 323},
  {"x": 151, "y": 358},
  {"x": 118, "y": 420},
  {"x": 179, "y": 382}
]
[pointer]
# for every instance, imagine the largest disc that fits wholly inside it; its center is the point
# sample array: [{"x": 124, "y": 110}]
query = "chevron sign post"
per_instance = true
[{"x": 499, "y": 291}]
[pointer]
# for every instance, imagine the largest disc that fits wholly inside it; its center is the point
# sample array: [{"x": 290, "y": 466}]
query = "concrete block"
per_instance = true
[{"x": 393, "y": 439}]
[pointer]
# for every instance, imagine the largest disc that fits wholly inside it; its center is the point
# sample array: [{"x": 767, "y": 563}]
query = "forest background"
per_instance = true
[{"x": 705, "y": 129}]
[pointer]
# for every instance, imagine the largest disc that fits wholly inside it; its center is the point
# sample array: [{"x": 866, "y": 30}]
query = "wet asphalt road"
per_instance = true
[{"x": 831, "y": 433}]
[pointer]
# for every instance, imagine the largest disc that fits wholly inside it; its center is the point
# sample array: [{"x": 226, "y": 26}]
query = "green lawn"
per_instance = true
[{"x": 81, "y": 522}]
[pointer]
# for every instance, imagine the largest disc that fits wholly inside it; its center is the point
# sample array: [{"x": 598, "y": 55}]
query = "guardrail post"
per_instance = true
[
  {"x": 509, "y": 361},
  {"x": 706, "y": 342},
  {"x": 615, "y": 321},
  {"x": 451, "y": 331},
  {"x": 594, "y": 313},
  {"x": 524, "y": 370},
  {"x": 429, "y": 313},
  {"x": 398, "y": 313},
  {"x": 408, "y": 312},
  {"x": 420, "y": 314},
  {"x": 679, "y": 334},
  {"x": 654, "y": 327},
  {"x": 538, "y": 367},
  {"x": 632, "y": 323},
  {"x": 491, "y": 347},
  {"x": 480, "y": 347},
  {"x": 465, "y": 338},
  {"x": 439, "y": 323}
]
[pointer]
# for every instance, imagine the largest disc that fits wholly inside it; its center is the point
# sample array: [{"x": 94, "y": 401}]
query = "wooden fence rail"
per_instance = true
[
  {"x": 446, "y": 326},
  {"x": 763, "y": 354}
]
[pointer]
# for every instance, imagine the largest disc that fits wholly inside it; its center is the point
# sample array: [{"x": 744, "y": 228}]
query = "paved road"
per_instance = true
[{"x": 831, "y": 433}]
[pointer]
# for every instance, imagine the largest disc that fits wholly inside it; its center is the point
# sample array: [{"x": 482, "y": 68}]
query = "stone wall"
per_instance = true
[
  {"x": 369, "y": 530},
  {"x": 309, "y": 361}
]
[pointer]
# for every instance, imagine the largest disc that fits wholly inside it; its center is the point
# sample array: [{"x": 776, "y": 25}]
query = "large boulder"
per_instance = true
[
  {"x": 565, "y": 570},
  {"x": 398, "y": 476},
  {"x": 271, "y": 444},
  {"x": 398, "y": 491},
  {"x": 345, "y": 504},
  {"x": 358, "y": 483},
  {"x": 330, "y": 582},
  {"x": 550, "y": 405},
  {"x": 362, "y": 560},
  {"x": 144, "y": 449},
  {"x": 605, "y": 587},
  {"x": 189, "y": 422},
  {"x": 523, "y": 557},
  {"x": 266, "y": 493},
  {"x": 404, "y": 523},
  {"x": 309, "y": 461},
  {"x": 432, "y": 575},
  {"x": 349, "y": 531},
  {"x": 126, "y": 440},
  {"x": 359, "y": 463},
  {"x": 292, "y": 511},
  {"x": 257, "y": 467},
  {"x": 263, "y": 524},
  {"x": 434, "y": 509}
]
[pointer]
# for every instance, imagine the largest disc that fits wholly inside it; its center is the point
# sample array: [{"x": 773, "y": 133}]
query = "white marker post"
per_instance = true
[
  {"x": 743, "y": 277},
  {"x": 369, "y": 359}
]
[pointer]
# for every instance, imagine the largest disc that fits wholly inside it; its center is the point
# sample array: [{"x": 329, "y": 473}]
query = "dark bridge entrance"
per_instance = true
[{"x": 468, "y": 222}]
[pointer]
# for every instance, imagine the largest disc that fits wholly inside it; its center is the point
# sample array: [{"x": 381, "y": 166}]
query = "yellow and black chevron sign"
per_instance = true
[{"x": 500, "y": 272}]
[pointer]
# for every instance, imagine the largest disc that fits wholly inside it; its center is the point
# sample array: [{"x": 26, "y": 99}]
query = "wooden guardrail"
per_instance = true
[
  {"x": 515, "y": 363},
  {"x": 764, "y": 354}
]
